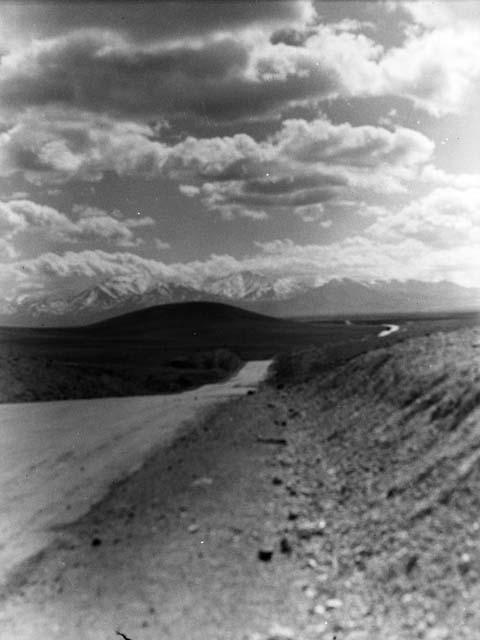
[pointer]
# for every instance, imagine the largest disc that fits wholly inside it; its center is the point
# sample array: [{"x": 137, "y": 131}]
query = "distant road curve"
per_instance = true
[
  {"x": 59, "y": 458},
  {"x": 391, "y": 328}
]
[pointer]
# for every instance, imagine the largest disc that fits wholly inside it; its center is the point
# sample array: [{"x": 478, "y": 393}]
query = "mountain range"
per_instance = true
[{"x": 249, "y": 290}]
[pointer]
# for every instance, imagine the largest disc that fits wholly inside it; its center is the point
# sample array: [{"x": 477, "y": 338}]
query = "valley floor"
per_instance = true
[{"x": 343, "y": 507}]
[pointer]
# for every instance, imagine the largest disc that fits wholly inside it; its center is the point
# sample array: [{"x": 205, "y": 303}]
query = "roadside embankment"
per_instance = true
[{"x": 391, "y": 453}]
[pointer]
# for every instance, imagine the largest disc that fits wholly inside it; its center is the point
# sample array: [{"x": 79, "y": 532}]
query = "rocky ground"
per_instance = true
[{"x": 342, "y": 507}]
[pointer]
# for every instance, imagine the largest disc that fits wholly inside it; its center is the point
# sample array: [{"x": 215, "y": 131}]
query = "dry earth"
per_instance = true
[{"x": 345, "y": 507}]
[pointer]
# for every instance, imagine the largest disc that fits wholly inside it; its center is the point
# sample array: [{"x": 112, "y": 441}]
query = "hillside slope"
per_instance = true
[{"x": 389, "y": 450}]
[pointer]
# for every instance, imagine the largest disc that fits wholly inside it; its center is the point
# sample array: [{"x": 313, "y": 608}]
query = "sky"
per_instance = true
[{"x": 182, "y": 141}]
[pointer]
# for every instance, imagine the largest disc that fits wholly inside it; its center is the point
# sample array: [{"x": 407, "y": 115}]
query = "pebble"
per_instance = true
[
  {"x": 265, "y": 554},
  {"x": 333, "y": 603},
  {"x": 411, "y": 563},
  {"x": 286, "y": 546},
  {"x": 357, "y": 634},
  {"x": 193, "y": 528},
  {"x": 279, "y": 632},
  {"x": 319, "y": 610},
  {"x": 310, "y": 592},
  {"x": 202, "y": 482},
  {"x": 307, "y": 529},
  {"x": 464, "y": 563},
  {"x": 437, "y": 633},
  {"x": 430, "y": 619}
]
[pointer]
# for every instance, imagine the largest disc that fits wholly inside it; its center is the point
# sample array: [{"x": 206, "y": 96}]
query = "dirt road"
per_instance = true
[{"x": 59, "y": 458}]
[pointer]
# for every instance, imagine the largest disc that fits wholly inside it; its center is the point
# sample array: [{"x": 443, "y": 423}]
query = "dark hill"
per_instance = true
[
  {"x": 186, "y": 315},
  {"x": 193, "y": 326},
  {"x": 156, "y": 334}
]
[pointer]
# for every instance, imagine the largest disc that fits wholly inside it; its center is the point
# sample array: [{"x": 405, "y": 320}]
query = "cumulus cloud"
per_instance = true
[
  {"x": 313, "y": 213},
  {"x": 364, "y": 146},
  {"x": 105, "y": 71},
  {"x": 356, "y": 257},
  {"x": 170, "y": 20},
  {"x": 303, "y": 164},
  {"x": 366, "y": 258},
  {"x": 439, "y": 177},
  {"x": 7, "y": 250},
  {"x": 87, "y": 223},
  {"x": 161, "y": 245},
  {"x": 226, "y": 75},
  {"x": 22, "y": 215},
  {"x": 437, "y": 70},
  {"x": 50, "y": 270},
  {"x": 56, "y": 146},
  {"x": 222, "y": 78},
  {"x": 84, "y": 93},
  {"x": 446, "y": 217},
  {"x": 426, "y": 13}
]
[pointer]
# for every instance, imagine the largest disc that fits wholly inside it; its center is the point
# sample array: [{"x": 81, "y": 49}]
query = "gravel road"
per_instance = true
[{"x": 58, "y": 458}]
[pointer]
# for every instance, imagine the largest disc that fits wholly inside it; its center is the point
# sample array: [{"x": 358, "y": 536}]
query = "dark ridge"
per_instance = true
[{"x": 183, "y": 315}]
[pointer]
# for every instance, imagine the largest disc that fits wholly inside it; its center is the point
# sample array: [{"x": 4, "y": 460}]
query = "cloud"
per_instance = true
[
  {"x": 439, "y": 177},
  {"x": 56, "y": 146},
  {"x": 241, "y": 198},
  {"x": 247, "y": 72},
  {"x": 437, "y": 69},
  {"x": 357, "y": 257},
  {"x": 426, "y": 13},
  {"x": 446, "y": 217},
  {"x": 171, "y": 20},
  {"x": 360, "y": 146},
  {"x": 313, "y": 213},
  {"x": 50, "y": 270},
  {"x": 7, "y": 250},
  {"x": 366, "y": 258},
  {"x": 161, "y": 245},
  {"x": 23, "y": 215},
  {"x": 222, "y": 77},
  {"x": 303, "y": 164},
  {"x": 103, "y": 71},
  {"x": 225, "y": 158},
  {"x": 87, "y": 223}
]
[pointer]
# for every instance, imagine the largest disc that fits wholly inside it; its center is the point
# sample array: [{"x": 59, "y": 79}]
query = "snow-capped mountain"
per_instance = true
[
  {"x": 347, "y": 296},
  {"x": 250, "y": 286},
  {"x": 253, "y": 291}
]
